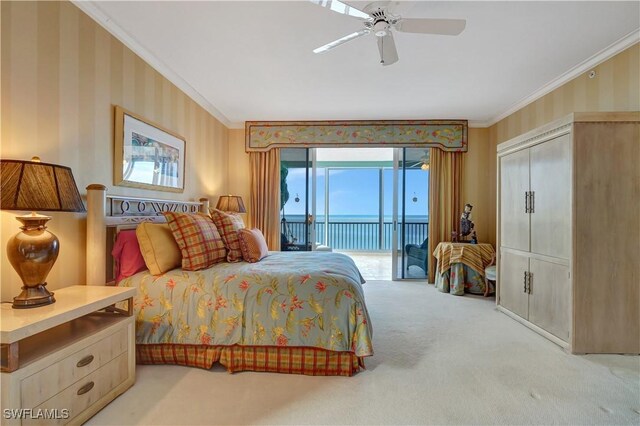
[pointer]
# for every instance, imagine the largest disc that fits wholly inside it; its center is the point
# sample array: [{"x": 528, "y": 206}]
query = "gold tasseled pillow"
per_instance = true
[{"x": 159, "y": 249}]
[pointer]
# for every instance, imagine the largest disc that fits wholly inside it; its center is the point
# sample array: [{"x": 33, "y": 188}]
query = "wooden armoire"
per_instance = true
[{"x": 569, "y": 231}]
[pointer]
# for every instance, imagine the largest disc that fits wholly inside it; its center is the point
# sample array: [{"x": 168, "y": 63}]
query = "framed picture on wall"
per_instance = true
[{"x": 147, "y": 155}]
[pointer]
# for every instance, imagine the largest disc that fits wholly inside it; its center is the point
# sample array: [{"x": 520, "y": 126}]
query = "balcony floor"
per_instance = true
[{"x": 377, "y": 265}]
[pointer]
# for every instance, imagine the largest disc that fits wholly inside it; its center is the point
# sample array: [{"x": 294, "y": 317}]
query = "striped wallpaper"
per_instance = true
[
  {"x": 478, "y": 168},
  {"x": 61, "y": 75},
  {"x": 616, "y": 87}
]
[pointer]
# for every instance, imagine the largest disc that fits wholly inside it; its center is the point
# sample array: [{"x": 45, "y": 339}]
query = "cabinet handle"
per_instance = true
[
  {"x": 85, "y": 361},
  {"x": 526, "y": 201},
  {"x": 86, "y": 388},
  {"x": 532, "y": 202},
  {"x": 529, "y": 275},
  {"x": 525, "y": 281}
]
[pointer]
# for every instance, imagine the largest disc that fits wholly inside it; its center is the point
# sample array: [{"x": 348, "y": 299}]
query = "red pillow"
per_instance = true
[{"x": 127, "y": 254}]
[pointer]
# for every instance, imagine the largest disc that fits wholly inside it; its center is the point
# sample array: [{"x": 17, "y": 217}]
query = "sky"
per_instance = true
[{"x": 356, "y": 192}]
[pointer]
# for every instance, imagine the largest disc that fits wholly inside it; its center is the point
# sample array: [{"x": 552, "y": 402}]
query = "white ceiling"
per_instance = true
[{"x": 253, "y": 60}]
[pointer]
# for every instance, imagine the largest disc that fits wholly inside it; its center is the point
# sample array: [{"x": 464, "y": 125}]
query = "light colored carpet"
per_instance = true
[{"x": 439, "y": 359}]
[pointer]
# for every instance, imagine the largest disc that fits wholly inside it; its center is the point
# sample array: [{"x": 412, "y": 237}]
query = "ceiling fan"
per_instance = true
[{"x": 377, "y": 19}]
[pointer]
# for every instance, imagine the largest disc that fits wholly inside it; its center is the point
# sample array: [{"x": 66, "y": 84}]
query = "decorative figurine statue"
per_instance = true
[{"x": 466, "y": 225}]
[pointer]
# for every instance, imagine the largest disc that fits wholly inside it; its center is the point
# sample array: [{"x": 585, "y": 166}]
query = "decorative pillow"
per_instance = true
[
  {"x": 159, "y": 249},
  {"x": 198, "y": 239},
  {"x": 253, "y": 245},
  {"x": 126, "y": 253},
  {"x": 228, "y": 225}
]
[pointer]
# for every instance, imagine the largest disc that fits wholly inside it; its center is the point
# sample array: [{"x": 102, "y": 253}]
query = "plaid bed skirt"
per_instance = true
[{"x": 274, "y": 359}]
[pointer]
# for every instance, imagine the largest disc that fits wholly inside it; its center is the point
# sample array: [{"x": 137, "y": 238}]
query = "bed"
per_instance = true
[{"x": 292, "y": 312}]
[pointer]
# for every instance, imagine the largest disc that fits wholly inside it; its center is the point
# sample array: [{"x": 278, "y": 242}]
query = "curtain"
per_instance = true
[
  {"x": 445, "y": 181},
  {"x": 265, "y": 195}
]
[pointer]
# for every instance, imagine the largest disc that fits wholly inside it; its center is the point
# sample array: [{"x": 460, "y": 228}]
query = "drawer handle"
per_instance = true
[
  {"x": 86, "y": 388},
  {"x": 85, "y": 361}
]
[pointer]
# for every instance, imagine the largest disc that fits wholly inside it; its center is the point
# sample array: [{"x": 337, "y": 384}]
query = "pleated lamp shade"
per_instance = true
[
  {"x": 231, "y": 203},
  {"x": 32, "y": 185}
]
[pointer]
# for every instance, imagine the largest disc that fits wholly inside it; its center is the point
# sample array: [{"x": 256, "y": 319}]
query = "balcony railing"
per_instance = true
[{"x": 363, "y": 236}]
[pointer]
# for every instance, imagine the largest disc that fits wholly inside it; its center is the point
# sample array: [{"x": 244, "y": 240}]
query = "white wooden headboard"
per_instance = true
[{"x": 107, "y": 214}]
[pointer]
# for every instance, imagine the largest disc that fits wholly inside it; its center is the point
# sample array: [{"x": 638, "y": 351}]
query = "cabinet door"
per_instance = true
[
  {"x": 551, "y": 187},
  {"x": 514, "y": 183},
  {"x": 511, "y": 283},
  {"x": 550, "y": 298}
]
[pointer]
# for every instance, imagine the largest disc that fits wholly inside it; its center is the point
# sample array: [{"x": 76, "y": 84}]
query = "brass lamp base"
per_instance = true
[
  {"x": 32, "y": 253},
  {"x": 32, "y": 297}
]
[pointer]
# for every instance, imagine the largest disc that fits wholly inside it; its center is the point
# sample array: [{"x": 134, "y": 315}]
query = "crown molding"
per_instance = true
[
  {"x": 105, "y": 21},
  {"x": 584, "y": 66},
  {"x": 479, "y": 124},
  {"x": 98, "y": 15},
  {"x": 234, "y": 125}
]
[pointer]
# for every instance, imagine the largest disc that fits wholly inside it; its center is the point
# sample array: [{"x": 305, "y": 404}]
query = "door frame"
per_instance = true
[{"x": 398, "y": 157}]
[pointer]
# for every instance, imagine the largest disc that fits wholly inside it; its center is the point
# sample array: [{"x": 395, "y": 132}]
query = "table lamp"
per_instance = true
[
  {"x": 32, "y": 185},
  {"x": 231, "y": 203}
]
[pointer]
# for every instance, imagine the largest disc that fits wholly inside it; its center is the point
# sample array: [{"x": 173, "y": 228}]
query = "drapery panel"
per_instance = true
[
  {"x": 445, "y": 181},
  {"x": 265, "y": 195}
]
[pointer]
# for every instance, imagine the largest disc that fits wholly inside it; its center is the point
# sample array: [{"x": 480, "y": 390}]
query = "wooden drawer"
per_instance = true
[
  {"x": 48, "y": 382},
  {"x": 86, "y": 391}
]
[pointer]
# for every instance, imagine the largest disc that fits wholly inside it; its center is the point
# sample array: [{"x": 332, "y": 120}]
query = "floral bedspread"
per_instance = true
[{"x": 287, "y": 299}]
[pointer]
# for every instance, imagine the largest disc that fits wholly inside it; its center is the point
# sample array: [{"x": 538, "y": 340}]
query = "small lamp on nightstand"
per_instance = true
[
  {"x": 32, "y": 185},
  {"x": 231, "y": 203}
]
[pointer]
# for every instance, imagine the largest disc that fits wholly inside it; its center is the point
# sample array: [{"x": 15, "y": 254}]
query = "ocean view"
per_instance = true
[
  {"x": 356, "y": 218},
  {"x": 356, "y": 232}
]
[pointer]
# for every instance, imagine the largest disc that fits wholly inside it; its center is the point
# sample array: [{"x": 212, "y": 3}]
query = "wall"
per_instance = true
[
  {"x": 478, "y": 173},
  {"x": 61, "y": 75},
  {"x": 616, "y": 87},
  {"x": 478, "y": 166},
  {"x": 240, "y": 170}
]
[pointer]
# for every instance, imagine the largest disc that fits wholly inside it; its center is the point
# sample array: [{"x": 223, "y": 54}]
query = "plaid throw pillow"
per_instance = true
[
  {"x": 198, "y": 239},
  {"x": 229, "y": 224},
  {"x": 253, "y": 245}
]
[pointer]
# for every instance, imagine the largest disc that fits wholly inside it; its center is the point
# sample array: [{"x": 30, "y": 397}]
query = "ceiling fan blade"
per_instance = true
[
  {"x": 373, "y": 6},
  {"x": 340, "y": 41},
  {"x": 345, "y": 9},
  {"x": 387, "y": 48},
  {"x": 431, "y": 26}
]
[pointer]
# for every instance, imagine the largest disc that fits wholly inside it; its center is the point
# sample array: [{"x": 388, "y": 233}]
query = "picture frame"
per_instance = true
[{"x": 147, "y": 155}]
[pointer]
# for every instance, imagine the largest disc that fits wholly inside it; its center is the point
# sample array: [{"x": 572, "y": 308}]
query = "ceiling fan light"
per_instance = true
[{"x": 381, "y": 28}]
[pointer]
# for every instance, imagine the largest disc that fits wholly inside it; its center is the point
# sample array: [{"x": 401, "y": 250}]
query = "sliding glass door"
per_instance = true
[
  {"x": 353, "y": 210},
  {"x": 410, "y": 213},
  {"x": 297, "y": 200},
  {"x": 365, "y": 202}
]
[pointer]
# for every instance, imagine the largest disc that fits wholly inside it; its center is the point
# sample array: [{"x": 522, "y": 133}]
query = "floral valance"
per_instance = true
[{"x": 448, "y": 135}]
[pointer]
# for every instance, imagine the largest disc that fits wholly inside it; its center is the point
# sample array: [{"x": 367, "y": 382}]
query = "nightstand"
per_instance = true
[{"x": 63, "y": 362}]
